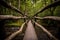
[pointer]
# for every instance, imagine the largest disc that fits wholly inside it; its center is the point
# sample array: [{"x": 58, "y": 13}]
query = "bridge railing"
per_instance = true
[{"x": 20, "y": 30}]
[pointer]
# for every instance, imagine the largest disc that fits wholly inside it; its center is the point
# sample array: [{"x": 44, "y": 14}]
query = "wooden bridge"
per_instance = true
[{"x": 30, "y": 33}]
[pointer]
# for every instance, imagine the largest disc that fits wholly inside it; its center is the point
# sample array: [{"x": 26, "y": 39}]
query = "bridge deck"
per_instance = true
[{"x": 30, "y": 32}]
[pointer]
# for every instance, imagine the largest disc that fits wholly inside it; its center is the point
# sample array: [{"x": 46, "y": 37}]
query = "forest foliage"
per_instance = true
[{"x": 29, "y": 7}]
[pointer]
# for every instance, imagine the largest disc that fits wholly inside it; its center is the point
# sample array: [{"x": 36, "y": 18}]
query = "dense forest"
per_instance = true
[{"x": 14, "y": 14}]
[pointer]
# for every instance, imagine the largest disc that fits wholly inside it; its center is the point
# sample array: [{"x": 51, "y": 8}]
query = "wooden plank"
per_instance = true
[{"x": 30, "y": 32}]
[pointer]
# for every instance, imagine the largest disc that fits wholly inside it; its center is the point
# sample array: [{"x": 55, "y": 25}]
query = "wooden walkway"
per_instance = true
[{"x": 30, "y": 32}]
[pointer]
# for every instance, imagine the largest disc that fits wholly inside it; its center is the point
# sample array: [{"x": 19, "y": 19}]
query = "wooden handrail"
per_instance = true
[
  {"x": 49, "y": 17},
  {"x": 45, "y": 30},
  {"x": 10, "y": 17},
  {"x": 7, "y": 5},
  {"x": 16, "y": 33},
  {"x": 48, "y": 6}
]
